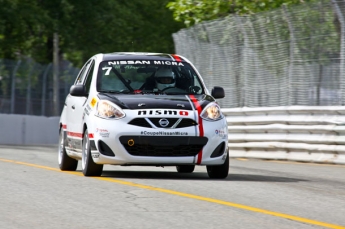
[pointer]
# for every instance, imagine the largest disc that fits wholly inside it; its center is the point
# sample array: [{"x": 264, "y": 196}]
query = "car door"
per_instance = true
[{"x": 75, "y": 108}]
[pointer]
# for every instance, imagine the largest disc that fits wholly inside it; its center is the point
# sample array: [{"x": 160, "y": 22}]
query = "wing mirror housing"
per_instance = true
[
  {"x": 218, "y": 92},
  {"x": 78, "y": 90}
]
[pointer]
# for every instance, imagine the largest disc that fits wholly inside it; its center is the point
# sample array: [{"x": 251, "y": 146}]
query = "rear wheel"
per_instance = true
[
  {"x": 89, "y": 167},
  {"x": 185, "y": 168},
  {"x": 219, "y": 171},
  {"x": 65, "y": 162}
]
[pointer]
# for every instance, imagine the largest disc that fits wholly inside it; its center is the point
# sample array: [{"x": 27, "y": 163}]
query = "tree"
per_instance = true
[
  {"x": 191, "y": 12},
  {"x": 84, "y": 28}
]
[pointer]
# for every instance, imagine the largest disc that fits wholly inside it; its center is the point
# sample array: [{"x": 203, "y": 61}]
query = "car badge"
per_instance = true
[
  {"x": 163, "y": 122},
  {"x": 141, "y": 104}
]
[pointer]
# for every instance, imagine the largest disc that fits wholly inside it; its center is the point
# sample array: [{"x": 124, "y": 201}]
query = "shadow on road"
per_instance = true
[{"x": 167, "y": 175}]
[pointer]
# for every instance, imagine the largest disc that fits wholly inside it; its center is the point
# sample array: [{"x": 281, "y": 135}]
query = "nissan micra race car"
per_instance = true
[{"x": 136, "y": 109}]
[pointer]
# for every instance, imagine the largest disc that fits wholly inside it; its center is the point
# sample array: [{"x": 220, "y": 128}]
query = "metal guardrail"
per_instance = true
[{"x": 297, "y": 133}]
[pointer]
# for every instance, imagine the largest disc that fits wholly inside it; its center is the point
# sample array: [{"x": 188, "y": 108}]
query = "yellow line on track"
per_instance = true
[{"x": 191, "y": 196}]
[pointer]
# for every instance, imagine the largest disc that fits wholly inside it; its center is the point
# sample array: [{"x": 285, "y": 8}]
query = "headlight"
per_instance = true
[
  {"x": 212, "y": 112},
  {"x": 108, "y": 110}
]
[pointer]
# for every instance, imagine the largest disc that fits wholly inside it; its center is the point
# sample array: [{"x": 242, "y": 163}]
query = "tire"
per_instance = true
[
  {"x": 65, "y": 162},
  {"x": 185, "y": 168},
  {"x": 89, "y": 167},
  {"x": 219, "y": 171}
]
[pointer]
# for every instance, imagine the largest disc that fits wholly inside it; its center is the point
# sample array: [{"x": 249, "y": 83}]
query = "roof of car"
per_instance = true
[{"x": 142, "y": 56}]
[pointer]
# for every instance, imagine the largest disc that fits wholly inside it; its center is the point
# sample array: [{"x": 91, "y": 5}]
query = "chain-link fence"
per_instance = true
[
  {"x": 26, "y": 87},
  {"x": 290, "y": 56}
]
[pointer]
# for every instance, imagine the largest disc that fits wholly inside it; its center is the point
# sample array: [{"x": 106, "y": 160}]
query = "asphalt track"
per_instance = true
[{"x": 257, "y": 194}]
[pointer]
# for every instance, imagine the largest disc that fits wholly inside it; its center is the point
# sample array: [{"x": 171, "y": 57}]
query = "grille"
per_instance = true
[
  {"x": 172, "y": 121},
  {"x": 140, "y": 122},
  {"x": 163, "y": 146},
  {"x": 182, "y": 122}
]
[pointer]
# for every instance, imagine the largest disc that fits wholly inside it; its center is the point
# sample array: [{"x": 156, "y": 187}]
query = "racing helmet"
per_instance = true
[{"x": 164, "y": 78}]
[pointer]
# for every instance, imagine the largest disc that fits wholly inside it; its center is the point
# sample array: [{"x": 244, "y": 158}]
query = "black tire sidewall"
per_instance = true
[
  {"x": 67, "y": 163},
  {"x": 90, "y": 168},
  {"x": 219, "y": 171}
]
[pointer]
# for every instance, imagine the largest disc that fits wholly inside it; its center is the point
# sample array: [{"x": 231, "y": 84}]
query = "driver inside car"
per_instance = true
[{"x": 164, "y": 78}]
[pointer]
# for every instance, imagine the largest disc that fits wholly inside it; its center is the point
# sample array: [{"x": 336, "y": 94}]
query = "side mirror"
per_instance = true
[
  {"x": 78, "y": 90},
  {"x": 218, "y": 92}
]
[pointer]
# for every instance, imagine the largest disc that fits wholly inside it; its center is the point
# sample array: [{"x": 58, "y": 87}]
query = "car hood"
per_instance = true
[{"x": 140, "y": 101}]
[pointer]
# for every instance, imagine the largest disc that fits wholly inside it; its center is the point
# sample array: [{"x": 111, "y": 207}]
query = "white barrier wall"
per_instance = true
[
  {"x": 28, "y": 130},
  {"x": 309, "y": 134},
  {"x": 297, "y": 133}
]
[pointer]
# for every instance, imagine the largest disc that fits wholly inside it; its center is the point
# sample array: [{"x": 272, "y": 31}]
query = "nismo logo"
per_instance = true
[{"x": 162, "y": 112}]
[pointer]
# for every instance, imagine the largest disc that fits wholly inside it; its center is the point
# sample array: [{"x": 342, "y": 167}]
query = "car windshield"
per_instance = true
[{"x": 148, "y": 76}]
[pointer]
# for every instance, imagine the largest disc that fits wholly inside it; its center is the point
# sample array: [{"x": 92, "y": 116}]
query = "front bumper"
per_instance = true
[{"x": 119, "y": 143}]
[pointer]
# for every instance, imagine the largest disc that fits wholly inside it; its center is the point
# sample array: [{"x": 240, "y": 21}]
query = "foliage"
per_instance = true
[
  {"x": 191, "y": 12},
  {"x": 84, "y": 27}
]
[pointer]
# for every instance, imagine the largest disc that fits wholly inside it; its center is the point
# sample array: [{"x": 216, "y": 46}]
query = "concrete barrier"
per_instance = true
[{"x": 28, "y": 130}]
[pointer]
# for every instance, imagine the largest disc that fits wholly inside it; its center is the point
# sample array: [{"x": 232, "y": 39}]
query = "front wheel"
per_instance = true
[
  {"x": 89, "y": 167},
  {"x": 185, "y": 168},
  {"x": 219, "y": 171},
  {"x": 65, "y": 162}
]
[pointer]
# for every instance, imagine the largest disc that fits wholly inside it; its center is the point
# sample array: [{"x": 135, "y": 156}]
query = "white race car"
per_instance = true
[{"x": 142, "y": 109}]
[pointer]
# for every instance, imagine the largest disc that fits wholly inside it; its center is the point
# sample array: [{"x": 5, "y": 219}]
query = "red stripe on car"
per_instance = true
[
  {"x": 201, "y": 127},
  {"x": 90, "y": 136},
  {"x": 73, "y": 134},
  {"x": 176, "y": 57}
]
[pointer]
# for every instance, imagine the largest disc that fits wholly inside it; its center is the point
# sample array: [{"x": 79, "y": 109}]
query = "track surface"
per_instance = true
[{"x": 257, "y": 194}]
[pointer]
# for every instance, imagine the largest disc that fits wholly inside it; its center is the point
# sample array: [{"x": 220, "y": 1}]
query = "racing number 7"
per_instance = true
[{"x": 108, "y": 70}]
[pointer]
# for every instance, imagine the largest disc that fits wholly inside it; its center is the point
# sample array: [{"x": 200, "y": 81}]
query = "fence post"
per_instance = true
[
  {"x": 243, "y": 101},
  {"x": 342, "y": 49},
  {"x": 56, "y": 74},
  {"x": 44, "y": 89},
  {"x": 13, "y": 86},
  {"x": 291, "y": 54},
  {"x": 28, "y": 90}
]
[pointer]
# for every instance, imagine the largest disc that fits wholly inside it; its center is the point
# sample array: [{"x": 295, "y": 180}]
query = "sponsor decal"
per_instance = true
[
  {"x": 163, "y": 112},
  {"x": 183, "y": 113},
  {"x": 103, "y": 132},
  {"x": 93, "y": 102},
  {"x": 221, "y": 133},
  {"x": 95, "y": 155},
  {"x": 163, "y": 133},
  {"x": 86, "y": 111},
  {"x": 104, "y": 135},
  {"x": 155, "y": 62}
]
